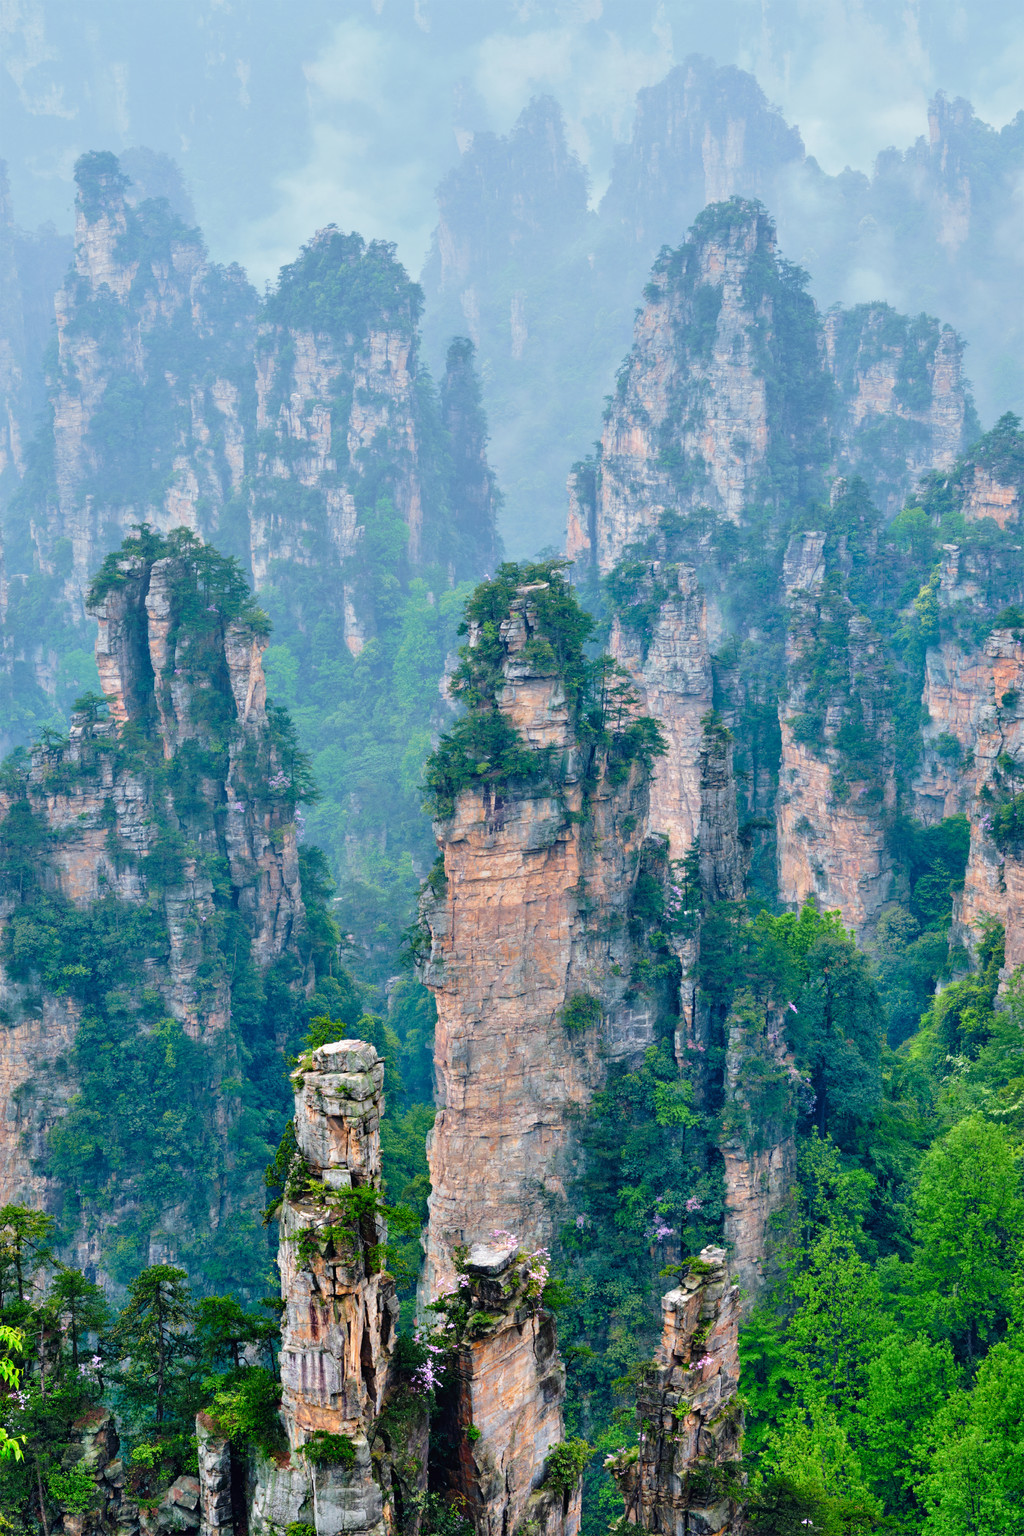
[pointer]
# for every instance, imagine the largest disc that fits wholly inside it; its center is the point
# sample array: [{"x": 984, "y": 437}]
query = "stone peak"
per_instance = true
[{"x": 487, "y": 1259}]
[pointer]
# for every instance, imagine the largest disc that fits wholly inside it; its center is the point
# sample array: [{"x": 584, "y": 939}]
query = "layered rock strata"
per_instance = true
[
  {"x": 833, "y": 802},
  {"x": 994, "y": 879},
  {"x": 340, "y": 1308},
  {"x": 341, "y": 1312},
  {"x": 283, "y": 431},
  {"x": 120, "y": 816},
  {"x": 706, "y": 418},
  {"x": 531, "y": 915},
  {"x": 902, "y": 409},
  {"x": 693, "y": 424},
  {"x": 672, "y": 670},
  {"x": 758, "y": 1144},
  {"x": 504, "y": 1407},
  {"x": 146, "y": 329},
  {"x": 683, "y": 1476}
]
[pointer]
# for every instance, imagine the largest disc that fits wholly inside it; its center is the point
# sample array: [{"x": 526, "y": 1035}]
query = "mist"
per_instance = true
[{"x": 287, "y": 117}]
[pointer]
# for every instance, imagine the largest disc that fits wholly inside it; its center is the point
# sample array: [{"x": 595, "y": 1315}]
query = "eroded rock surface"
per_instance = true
[
  {"x": 683, "y": 1475},
  {"x": 504, "y": 1407},
  {"x": 183, "y": 786},
  {"x": 531, "y": 913},
  {"x": 340, "y": 1321}
]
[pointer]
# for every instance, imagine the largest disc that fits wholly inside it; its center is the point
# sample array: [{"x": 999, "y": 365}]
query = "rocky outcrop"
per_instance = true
[
  {"x": 684, "y": 1474},
  {"x": 340, "y": 1318},
  {"x": 340, "y": 1308},
  {"x": 671, "y": 666},
  {"x": 529, "y": 960},
  {"x": 758, "y": 1143},
  {"x": 326, "y": 387},
  {"x": 94, "y": 1448},
  {"x": 149, "y": 387},
  {"x": 701, "y": 135},
  {"x": 179, "y": 805},
  {"x": 993, "y": 745},
  {"x": 503, "y": 1406},
  {"x": 706, "y": 415},
  {"x": 698, "y": 421},
  {"x": 902, "y": 407},
  {"x": 284, "y": 432},
  {"x": 835, "y": 780}
]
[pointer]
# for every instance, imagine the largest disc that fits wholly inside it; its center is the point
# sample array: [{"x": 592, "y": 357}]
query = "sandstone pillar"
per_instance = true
[
  {"x": 502, "y": 1405},
  {"x": 682, "y": 1477},
  {"x": 341, "y": 1311}
]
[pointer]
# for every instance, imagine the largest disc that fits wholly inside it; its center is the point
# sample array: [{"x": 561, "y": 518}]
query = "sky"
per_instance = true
[{"x": 286, "y": 115}]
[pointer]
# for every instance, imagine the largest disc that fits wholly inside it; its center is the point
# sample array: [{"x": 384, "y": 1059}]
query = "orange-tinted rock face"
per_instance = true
[
  {"x": 760, "y": 1157},
  {"x": 687, "y": 1410},
  {"x": 528, "y": 877},
  {"x": 510, "y": 1386},
  {"x": 994, "y": 879},
  {"x": 987, "y": 497},
  {"x": 339, "y": 1322}
]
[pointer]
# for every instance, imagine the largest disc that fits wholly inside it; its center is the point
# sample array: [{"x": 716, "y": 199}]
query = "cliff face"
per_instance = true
[
  {"x": 994, "y": 879},
  {"x": 341, "y": 1312},
  {"x": 503, "y": 1407},
  {"x": 700, "y": 136},
  {"x": 31, "y": 267},
  {"x": 672, "y": 669},
  {"x": 301, "y": 435},
  {"x": 150, "y": 387},
  {"x": 168, "y": 832},
  {"x": 902, "y": 409},
  {"x": 684, "y": 1474},
  {"x": 698, "y": 419},
  {"x": 758, "y": 1148},
  {"x": 529, "y": 950},
  {"x": 836, "y": 775},
  {"x": 738, "y": 395}
]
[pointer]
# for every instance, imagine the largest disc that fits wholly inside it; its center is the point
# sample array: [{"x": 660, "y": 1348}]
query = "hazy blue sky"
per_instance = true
[{"x": 288, "y": 114}]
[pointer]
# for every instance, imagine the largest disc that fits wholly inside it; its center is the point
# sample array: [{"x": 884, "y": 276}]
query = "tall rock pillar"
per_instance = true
[
  {"x": 341, "y": 1312},
  {"x": 502, "y": 1406},
  {"x": 530, "y": 952},
  {"x": 682, "y": 1477}
]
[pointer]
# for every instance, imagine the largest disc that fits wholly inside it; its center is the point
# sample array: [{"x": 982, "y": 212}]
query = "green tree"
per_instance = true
[
  {"x": 11, "y": 1342},
  {"x": 150, "y": 1337},
  {"x": 909, "y": 1383},
  {"x": 969, "y": 1225},
  {"x": 23, "y": 1242},
  {"x": 836, "y": 1325},
  {"x": 811, "y": 1451},
  {"x": 975, "y": 1483},
  {"x": 79, "y": 1306},
  {"x": 810, "y": 967},
  {"x": 223, "y": 1327}
]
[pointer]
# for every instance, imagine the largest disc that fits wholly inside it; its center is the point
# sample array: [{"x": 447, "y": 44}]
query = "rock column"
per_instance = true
[
  {"x": 682, "y": 1477},
  {"x": 505, "y": 1404},
  {"x": 341, "y": 1310}
]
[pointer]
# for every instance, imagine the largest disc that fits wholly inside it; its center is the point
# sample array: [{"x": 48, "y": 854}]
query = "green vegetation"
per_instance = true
[
  {"x": 326, "y": 1450},
  {"x": 484, "y": 747},
  {"x": 565, "y": 1463},
  {"x": 67, "y": 1359}
]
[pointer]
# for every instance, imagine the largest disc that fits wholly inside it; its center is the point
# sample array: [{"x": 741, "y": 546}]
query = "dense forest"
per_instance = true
[{"x": 523, "y": 1045}]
